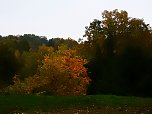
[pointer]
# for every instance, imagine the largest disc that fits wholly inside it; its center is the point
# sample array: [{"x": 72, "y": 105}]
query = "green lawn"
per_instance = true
[{"x": 49, "y": 103}]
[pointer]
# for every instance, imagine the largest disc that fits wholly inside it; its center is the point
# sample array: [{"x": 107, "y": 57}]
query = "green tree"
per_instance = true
[
  {"x": 57, "y": 42},
  {"x": 9, "y": 64},
  {"x": 115, "y": 36},
  {"x": 35, "y": 41}
]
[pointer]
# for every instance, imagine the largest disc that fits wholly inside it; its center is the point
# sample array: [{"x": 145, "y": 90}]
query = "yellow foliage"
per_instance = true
[
  {"x": 61, "y": 73},
  {"x": 68, "y": 71}
]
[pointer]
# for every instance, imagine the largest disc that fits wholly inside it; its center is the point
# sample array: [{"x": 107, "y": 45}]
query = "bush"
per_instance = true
[{"x": 62, "y": 73}]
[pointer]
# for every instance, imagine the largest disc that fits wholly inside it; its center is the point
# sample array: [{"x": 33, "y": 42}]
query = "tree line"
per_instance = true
[{"x": 115, "y": 59}]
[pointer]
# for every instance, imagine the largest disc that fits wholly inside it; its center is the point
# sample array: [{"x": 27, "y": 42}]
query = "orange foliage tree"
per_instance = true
[{"x": 61, "y": 73}]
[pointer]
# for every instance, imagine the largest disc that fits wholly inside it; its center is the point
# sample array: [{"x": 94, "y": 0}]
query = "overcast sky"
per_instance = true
[{"x": 63, "y": 18}]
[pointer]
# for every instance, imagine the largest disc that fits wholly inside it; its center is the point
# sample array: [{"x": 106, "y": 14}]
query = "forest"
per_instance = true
[{"x": 116, "y": 59}]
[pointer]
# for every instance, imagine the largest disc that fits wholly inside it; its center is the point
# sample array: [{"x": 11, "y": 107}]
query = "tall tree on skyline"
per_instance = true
[{"x": 115, "y": 36}]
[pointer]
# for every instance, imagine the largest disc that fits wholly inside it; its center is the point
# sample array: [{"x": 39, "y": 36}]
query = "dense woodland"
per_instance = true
[{"x": 115, "y": 59}]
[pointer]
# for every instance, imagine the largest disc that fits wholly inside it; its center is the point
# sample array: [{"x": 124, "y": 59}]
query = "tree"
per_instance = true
[
  {"x": 17, "y": 57},
  {"x": 61, "y": 73},
  {"x": 35, "y": 41},
  {"x": 111, "y": 39},
  {"x": 9, "y": 64},
  {"x": 57, "y": 42}
]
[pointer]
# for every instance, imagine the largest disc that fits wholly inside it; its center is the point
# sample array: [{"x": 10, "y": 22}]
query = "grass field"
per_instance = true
[{"x": 74, "y": 104}]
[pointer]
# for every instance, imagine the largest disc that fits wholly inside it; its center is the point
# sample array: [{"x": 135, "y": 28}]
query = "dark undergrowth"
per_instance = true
[{"x": 98, "y": 103}]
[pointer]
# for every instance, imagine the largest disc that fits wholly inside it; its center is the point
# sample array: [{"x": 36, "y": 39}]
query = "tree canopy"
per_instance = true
[
  {"x": 122, "y": 54},
  {"x": 115, "y": 59}
]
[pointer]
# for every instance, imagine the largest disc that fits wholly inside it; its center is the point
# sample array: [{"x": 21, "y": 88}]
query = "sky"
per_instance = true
[{"x": 63, "y": 18}]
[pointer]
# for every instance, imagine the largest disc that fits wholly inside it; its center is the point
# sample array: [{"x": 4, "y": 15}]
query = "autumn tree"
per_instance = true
[{"x": 61, "y": 73}]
